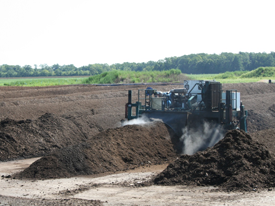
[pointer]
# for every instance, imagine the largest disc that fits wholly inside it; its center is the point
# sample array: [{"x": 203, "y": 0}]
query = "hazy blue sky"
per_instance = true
[{"x": 83, "y": 32}]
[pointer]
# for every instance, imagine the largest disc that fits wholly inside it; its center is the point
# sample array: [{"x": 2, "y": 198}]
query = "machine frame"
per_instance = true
[{"x": 197, "y": 100}]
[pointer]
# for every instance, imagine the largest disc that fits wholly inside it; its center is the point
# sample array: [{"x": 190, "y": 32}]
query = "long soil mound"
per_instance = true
[
  {"x": 235, "y": 163},
  {"x": 112, "y": 150},
  {"x": 30, "y": 138}
]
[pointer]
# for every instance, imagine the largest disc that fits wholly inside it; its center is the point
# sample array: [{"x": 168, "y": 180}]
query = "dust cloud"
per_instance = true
[
  {"x": 139, "y": 121},
  {"x": 199, "y": 138},
  {"x": 193, "y": 139}
]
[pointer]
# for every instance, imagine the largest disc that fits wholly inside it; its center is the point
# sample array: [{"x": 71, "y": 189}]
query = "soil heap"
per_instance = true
[
  {"x": 112, "y": 150},
  {"x": 234, "y": 163},
  {"x": 39, "y": 137}
]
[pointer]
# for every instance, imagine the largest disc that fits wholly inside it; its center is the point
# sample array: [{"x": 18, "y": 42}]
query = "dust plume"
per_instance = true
[
  {"x": 199, "y": 138},
  {"x": 139, "y": 121}
]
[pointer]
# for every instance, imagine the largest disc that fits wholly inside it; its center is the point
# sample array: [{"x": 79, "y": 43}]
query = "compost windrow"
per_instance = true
[
  {"x": 112, "y": 150},
  {"x": 41, "y": 136},
  {"x": 236, "y": 162}
]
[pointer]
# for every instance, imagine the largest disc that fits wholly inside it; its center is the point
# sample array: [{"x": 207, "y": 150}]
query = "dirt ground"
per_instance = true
[{"x": 38, "y": 121}]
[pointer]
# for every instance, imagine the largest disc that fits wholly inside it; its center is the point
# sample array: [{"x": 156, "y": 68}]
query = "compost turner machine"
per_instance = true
[{"x": 197, "y": 101}]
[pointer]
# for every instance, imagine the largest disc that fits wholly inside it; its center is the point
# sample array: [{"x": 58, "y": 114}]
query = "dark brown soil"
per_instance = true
[
  {"x": 30, "y": 138},
  {"x": 113, "y": 150},
  {"x": 46, "y": 202},
  {"x": 41, "y": 120},
  {"x": 266, "y": 137},
  {"x": 257, "y": 121},
  {"x": 235, "y": 163}
]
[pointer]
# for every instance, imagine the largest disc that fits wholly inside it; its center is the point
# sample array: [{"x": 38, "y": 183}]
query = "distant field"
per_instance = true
[
  {"x": 80, "y": 80},
  {"x": 170, "y": 76},
  {"x": 260, "y": 74},
  {"x": 201, "y": 76},
  {"x": 229, "y": 80},
  {"x": 40, "y": 81}
]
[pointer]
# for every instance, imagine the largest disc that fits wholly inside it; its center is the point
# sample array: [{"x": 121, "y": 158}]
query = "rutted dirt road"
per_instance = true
[{"x": 119, "y": 189}]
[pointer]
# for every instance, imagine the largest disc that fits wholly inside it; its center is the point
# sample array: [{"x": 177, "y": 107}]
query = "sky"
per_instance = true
[{"x": 83, "y": 32}]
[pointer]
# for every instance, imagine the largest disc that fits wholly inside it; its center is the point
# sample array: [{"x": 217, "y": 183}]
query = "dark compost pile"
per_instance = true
[
  {"x": 113, "y": 150},
  {"x": 235, "y": 163}
]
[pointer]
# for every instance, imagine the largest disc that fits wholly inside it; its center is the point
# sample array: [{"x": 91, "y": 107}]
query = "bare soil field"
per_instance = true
[{"x": 77, "y": 128}]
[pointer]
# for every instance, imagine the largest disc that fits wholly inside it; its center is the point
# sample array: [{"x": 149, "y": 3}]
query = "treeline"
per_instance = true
[
  {"x": 189, "y": 64},
  {"x": 213, "y": 63},
  {"x": 54, "y": 70}
]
